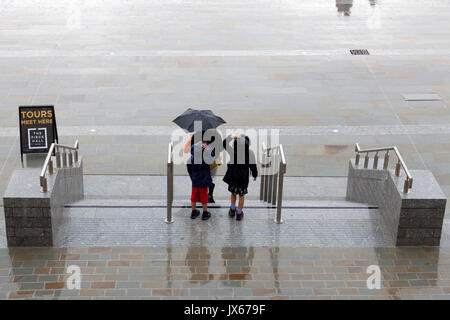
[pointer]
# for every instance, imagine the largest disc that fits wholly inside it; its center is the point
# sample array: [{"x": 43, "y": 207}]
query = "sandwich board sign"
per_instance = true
[{"x": 37, "y": 129}]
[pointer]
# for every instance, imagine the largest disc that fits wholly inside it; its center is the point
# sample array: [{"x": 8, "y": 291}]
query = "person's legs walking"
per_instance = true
[
  {"x": 232, "y": 210},
  {"x": 211, "y": 194},
  {"x": 241, "y": 202},
  {"x": 233, "y": 200},
  {"x": 204, "y": 201},
  {"x": 194, "y": 199},
  {"x": 240, "y": 213}
]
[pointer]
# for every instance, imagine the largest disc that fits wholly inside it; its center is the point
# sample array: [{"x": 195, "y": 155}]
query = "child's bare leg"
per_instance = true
[
  {"x": 233, "y": 199},
  {"x": 205, "y": 207},
  {"x": 193, "y": 205},
  {"x": 241, "y": 202}
]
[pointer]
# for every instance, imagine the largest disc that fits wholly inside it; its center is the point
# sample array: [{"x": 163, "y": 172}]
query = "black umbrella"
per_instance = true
[{"x": 207, "y": 117}]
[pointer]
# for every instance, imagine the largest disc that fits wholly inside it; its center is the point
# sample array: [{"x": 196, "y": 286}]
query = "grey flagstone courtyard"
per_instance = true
[{"x": 119, "y": 71}]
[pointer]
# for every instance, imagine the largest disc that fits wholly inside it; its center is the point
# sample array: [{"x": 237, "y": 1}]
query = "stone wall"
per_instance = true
[
  {"x": 29, "y": 213},
  {"x": 415, "y": 218}
]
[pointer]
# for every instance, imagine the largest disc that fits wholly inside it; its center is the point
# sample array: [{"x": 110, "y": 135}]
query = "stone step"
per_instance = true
[
  {"x": 153, "y": 187},
  {"x": 149, "y": 203},
  {"x": 141, "y": 226}
]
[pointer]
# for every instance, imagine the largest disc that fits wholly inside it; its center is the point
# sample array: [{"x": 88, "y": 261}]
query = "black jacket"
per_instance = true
[{"x": 239, "y": 168}]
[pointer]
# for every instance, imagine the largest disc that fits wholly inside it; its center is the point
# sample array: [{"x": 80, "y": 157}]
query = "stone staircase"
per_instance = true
[
  {"x": 126, "y": 210},
  {"x": 153, "y": 187}
]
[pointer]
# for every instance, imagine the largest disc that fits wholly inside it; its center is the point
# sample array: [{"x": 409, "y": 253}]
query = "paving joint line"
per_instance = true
[{"x": 212, "y": 207}]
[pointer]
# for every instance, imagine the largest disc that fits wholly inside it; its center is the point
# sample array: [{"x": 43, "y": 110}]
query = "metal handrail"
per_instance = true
[
  {"x": 169, "y": 218},
  {"x": 271, "y": 189},
  {"x": 67, "y": 159},
  {"x": 400, "y": 164}
]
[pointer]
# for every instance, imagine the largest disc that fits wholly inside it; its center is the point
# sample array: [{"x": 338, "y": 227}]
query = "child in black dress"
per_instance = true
[{"x": 242, "y": 162}]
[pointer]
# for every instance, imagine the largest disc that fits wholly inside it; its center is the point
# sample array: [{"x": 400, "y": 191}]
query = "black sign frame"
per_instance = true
[{"x": 24, "y": 134}]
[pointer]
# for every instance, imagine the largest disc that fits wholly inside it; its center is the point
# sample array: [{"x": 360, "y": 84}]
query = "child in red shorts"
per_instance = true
[
  {"x": 199, "y": 167},
  {"x": 199, "y": 195}
]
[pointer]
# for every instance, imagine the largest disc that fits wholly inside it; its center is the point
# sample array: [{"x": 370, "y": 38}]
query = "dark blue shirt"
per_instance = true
[{"x": 198, "y": 166}]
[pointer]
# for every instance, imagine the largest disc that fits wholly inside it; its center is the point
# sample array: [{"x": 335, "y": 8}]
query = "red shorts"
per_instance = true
[{"x": 199, "y": 194}]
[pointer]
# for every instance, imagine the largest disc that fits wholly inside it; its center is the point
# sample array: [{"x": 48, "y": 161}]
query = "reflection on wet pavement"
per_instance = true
[
  {"x": 220, "y": 273},
  {"x": 304, "y": 227},
  {"x": 344, "y": 6}
]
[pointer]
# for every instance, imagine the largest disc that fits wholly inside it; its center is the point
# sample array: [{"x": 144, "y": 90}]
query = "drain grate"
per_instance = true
[{"x": 359, "y": 52}]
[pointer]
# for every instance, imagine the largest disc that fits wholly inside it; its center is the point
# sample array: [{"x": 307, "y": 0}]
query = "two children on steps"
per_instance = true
[{"x": 242, "y": 162}]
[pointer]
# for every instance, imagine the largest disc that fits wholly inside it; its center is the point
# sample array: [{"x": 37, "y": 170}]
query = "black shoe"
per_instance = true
[
  {"x": 210, "y": 194},
  {"x": 232, "y": 212},
  {"x": 206, "y": 215},
  {"x": 239, "y": 216},
  {"x": 194, "y": 214}
]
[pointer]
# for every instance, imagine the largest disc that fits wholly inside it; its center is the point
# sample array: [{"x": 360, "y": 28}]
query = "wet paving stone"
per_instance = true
[{"x": 335, "y": 273}]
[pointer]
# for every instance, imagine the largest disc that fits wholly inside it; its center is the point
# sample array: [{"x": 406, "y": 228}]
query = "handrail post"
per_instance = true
[
  {"x": 58, "y": 158},
  {"x": 271, "y": 171},
  {"x": 75, "y": 152},
  {"x": 386, "y": 161},
  {"x": 44, "y": 184},
  {"x": 406, "y": 186},
  {"x": 366, "y": 161},
  {"x": 275, "y": 179},
  {"x": 263, "y": 176},
  {"x": 397, "y": 169},
  {"x": 64, "y": 158},
  {"x": 358, "y": 156},
  {"x": 50, "y": 166},
  {"x": 261, "y": 186},
  {"x": 375, "y": 161},
  {"x": 266, "y": 178},
  {"x": 169, "y": 218},
  {"x": 282, "y": 169},
  {"x": 70, "y": 155}
]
